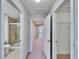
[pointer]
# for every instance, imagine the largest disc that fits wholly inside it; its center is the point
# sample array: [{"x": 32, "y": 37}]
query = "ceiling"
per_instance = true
[
  {"x": 64, "y": 7},
  {"x": 41, "y": 8}
]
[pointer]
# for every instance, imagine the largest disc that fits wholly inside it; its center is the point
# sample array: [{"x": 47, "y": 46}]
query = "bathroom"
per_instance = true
[{"x": 12, "y": 32}]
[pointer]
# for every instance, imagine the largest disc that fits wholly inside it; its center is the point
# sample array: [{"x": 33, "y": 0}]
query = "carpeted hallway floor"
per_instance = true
[{"x": 37, "y": 52}]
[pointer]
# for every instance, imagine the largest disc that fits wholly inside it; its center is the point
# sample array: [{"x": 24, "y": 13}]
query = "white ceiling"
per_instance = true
[
  {"x": 41, "y": 8},
  {"x": 64, "y": 7}
]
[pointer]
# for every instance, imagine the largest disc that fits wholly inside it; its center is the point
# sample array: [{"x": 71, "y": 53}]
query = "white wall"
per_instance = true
[
  {"x": 26, "y": 35},
  {"x": 63, "y": 32}
]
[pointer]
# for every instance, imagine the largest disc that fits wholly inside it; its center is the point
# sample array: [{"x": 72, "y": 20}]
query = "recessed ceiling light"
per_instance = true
[{"x": 37, "y": 1}]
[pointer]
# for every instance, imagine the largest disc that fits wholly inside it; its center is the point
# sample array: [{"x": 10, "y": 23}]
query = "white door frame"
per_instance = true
[
  {"x": 30, "y": 48},
  {"x": 2, "y": 27},
  {"x": 74, "y": 29}
]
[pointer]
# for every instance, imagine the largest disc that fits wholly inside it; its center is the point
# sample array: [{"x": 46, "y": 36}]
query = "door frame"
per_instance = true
[
  {"x": 74, "y": 29},
  {"x": 2, "y": 29},
  {"x": 30, "y": 47},
  {"x": 51, "y": 37}
]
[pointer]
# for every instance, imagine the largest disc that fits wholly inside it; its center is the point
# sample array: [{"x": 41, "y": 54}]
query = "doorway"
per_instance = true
[
  {"x": 63, "y": 30},
  {"x": 12, "y": 41},
  {"x": 37, "y": 31}
]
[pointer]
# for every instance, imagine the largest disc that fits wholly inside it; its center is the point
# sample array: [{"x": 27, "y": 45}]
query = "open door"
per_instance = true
[
  {"x": 63, "y": 30},
  {"x": 65, "y": 45},
  {"x": 12, "y": 41},
  {"x": 48, "y": 37}
]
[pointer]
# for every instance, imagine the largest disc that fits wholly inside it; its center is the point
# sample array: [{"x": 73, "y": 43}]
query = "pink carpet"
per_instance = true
[{"x": 37, "y": 52}]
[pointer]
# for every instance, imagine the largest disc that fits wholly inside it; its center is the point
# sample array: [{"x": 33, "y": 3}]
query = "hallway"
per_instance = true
[
  {"x": 40, "y": 29},
  {"x": 37, "y": 52}
]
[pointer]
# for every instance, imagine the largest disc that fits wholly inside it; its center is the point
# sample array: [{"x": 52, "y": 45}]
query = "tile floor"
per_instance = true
[
  {"x": 37, "y": 52},
  {"x": 14, "y": 54}
]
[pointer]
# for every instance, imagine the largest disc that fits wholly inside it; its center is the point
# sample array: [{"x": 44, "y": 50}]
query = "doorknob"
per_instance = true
[
  {"x": 19, "y": 40},
  {"x": 48, "y": 40},
  {"x": 56, "y": 41}
]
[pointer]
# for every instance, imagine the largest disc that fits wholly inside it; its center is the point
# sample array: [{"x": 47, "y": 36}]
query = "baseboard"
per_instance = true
[
  {"x": 27, "y": 55},
  {"x": 63, "y": 56},
  {"x": 45, "y": 55}
]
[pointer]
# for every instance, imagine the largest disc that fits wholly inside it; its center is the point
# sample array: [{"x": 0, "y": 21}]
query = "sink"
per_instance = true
[{"x": 6, "y": 45}]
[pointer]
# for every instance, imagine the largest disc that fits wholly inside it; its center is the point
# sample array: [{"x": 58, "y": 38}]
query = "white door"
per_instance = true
[{"x": 47, "y": 37}]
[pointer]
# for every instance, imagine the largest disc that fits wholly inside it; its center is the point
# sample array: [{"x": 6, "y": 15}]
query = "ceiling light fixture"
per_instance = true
[{"x": 37, "y": 1}]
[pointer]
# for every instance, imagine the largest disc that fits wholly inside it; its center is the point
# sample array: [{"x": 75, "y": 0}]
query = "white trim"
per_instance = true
[
  {"x": 21, "y": 35},
  {"x": 54, "y": 37},
  {"x": 2, "y": 28},
  {"x": 74, "y": 27},
  {"x": 72, "y": 33},
  {"x": 30, "y": 48}
]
